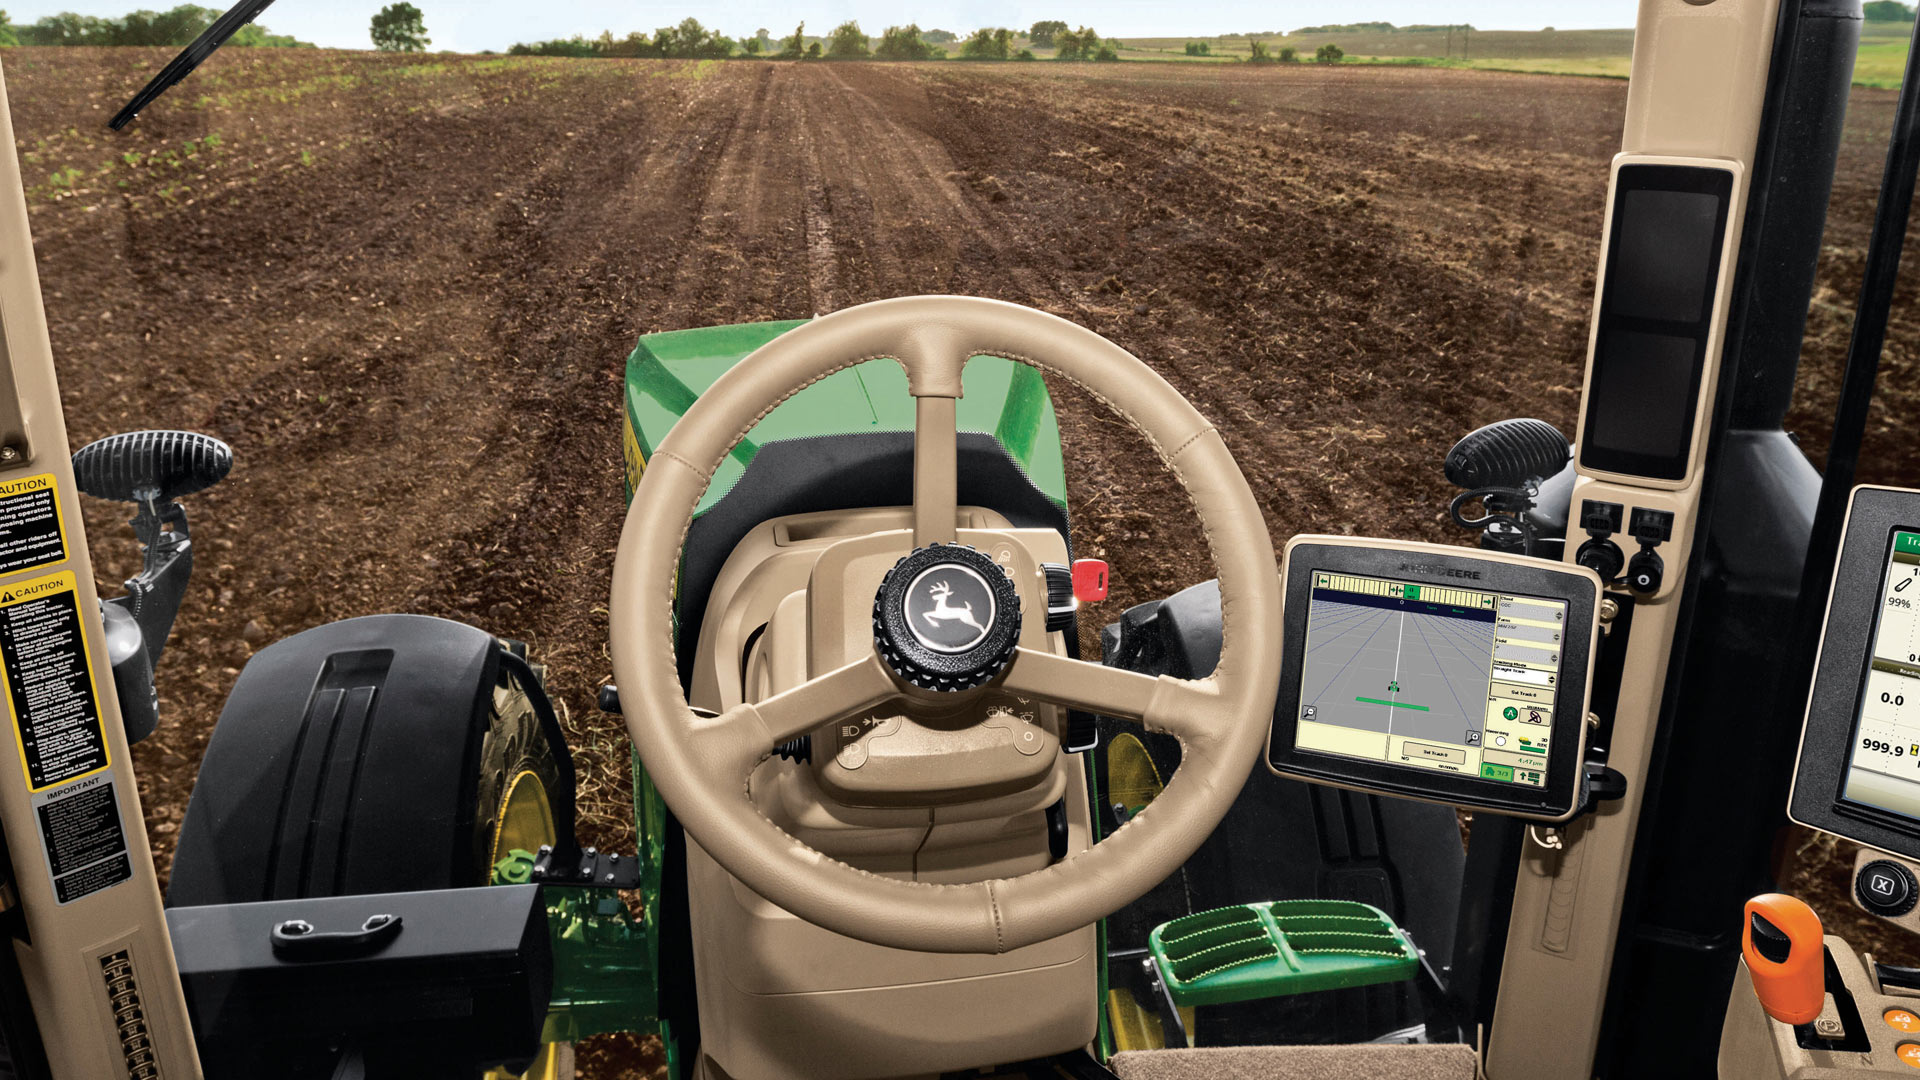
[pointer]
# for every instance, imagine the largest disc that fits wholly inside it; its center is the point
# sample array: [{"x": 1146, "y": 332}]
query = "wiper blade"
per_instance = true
[{"x": 181, "y": 66}]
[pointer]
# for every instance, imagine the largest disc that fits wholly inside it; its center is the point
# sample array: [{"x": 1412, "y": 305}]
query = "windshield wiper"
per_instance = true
[{"x": 181, "y": 66}]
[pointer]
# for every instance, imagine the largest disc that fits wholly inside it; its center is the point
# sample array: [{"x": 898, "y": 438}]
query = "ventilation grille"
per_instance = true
[{"x": 129, "y": 1017}]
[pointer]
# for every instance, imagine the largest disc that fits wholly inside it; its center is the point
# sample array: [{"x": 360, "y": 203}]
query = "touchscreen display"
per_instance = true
[
  {"x": 1667, "y": 231},
  {"x": 1431, "y": 677},
  {"x": 1664, "y": 265},
  {"x": 1883, "y": 770}
]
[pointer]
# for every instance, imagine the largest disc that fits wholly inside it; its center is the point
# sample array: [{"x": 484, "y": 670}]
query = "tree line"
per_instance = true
[
  {"x": 177, "y": 27},
  {"x": 691, "y": 40}
]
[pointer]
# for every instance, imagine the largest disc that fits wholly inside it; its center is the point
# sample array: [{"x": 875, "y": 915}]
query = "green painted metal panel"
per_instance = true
[{"x": 667, "y": 372}]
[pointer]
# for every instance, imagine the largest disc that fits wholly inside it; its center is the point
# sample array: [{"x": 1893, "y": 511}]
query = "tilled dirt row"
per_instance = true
[{"x": 404, "y": 290}]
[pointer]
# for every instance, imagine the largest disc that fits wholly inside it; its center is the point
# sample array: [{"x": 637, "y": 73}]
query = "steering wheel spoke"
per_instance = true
[
  {"x": 743, "y": 734},
  {"x": 1175, "y": 706},
  {"x": 936, "y": 469}
]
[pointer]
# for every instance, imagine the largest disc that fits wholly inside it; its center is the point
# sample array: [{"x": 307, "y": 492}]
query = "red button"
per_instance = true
[{"x": 1089, "y": 580}]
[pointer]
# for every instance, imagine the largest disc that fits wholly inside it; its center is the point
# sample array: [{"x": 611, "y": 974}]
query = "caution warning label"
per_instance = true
[
  {"x": 80, "y": 830},
  {"x": 49, "y": 681},
  {"x": 30, "y": 531}
]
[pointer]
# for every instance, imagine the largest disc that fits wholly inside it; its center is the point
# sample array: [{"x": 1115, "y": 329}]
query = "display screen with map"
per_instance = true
[
  {"x": 1436, "y": 673},
  {"x": 1883, "y": 770},
  {"x": 1431, "y": 677}
]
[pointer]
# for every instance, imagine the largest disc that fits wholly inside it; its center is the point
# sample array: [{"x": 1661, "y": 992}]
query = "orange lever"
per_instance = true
[{"x": 1786, "y": 955}]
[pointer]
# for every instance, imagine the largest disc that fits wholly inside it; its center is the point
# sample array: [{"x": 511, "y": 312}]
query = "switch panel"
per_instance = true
[
  {"x": 1652, "y": 526},
  {"x": 1602, "y": 518}
]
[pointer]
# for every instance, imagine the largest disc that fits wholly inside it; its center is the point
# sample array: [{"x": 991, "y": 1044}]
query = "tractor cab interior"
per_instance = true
[{"x": 1365, "y": 807}]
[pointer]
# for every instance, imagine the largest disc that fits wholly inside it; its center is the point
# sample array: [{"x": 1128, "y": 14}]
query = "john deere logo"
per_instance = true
[{"x": 949, "y": 608}]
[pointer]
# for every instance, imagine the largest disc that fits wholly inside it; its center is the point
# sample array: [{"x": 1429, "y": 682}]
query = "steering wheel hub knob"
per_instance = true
[{"x": 946, "y": 618}]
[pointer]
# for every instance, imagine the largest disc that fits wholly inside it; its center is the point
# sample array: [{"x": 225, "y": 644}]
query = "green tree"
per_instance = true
[
  {"x": 903, "y": 43},
  {"x": 176, "y": 27},
  {"x": 7, "y": 37},
  {"x": 1329, "y": 54},
  {"x": 1289, "y": 55},
  {"x": 988, "y": 43},
  {"x": 400, "y": 28},
  {"x": 692, "y": 41},
  {"x": 795, "y": 47},
  {"x": 1042, "y": 34},
  {"x": 813, "y": 51},
  {"x": 1888, "y": 11},
  {"x": 1075, "y": 44},
  {"x": 1258, "y": 53},
  {"x": 1199, "y": 48},
  {"x": 765, "y": 38},
  {"x": 939, "y": 37},
  {"x": 847, "y": 42}
]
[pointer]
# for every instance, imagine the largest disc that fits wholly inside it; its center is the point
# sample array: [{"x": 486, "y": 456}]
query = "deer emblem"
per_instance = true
[{"x": 945, "y": 612}]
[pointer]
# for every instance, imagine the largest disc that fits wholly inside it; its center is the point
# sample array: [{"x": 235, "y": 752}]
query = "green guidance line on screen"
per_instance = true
[{"x": 1392, "y": 704}]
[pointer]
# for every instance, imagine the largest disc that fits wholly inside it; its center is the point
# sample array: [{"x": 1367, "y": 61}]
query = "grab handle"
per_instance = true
[{"x": 296, "y": 940}]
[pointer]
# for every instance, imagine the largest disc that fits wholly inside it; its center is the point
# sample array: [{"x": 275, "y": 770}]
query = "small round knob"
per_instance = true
[
  {"x": 1603, "y": 557},
  {"x": 1646, "y": 571}
]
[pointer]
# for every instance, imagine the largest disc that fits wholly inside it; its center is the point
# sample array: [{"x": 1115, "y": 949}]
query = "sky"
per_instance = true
[{"x": 474, "y": 25}]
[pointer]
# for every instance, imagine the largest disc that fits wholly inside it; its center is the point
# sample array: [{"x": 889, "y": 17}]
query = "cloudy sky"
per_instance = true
[{"x": 473, "y": 25}]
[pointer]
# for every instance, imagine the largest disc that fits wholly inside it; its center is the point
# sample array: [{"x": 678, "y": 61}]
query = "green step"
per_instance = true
[{"x": 1251, "y": 951}]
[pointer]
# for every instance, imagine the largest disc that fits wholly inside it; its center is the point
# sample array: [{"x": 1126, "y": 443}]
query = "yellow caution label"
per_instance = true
[
  {"x": 630, "y": 449},
  {"x": 31, "y": 532},
  {"x": 48, "y": 672}
]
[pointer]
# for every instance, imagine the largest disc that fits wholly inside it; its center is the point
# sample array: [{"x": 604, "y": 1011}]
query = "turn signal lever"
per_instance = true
[
  {"x": 149, "y": 469},
  {"x": 1786, "y": 954}
]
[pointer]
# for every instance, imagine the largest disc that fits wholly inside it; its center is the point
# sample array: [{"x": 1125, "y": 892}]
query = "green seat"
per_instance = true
[{"x": 1251, "y": 951}]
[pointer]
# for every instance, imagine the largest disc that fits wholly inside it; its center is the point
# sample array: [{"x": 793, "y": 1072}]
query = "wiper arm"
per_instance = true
[{"x": 181, "y": 66}]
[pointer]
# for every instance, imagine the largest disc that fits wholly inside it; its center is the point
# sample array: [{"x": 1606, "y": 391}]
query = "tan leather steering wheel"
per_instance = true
[{"x": 701, "y": 763}]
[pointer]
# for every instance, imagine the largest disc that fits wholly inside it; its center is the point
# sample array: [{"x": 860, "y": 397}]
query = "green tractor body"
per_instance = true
[{"x": 667, "y": 372}]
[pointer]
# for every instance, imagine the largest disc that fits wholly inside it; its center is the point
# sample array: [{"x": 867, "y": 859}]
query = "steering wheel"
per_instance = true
[{"x": 700, "y": 762}]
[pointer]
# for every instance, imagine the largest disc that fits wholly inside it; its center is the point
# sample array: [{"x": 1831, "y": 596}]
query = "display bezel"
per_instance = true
[
  {"x": 1576, "y": 586},
  {"x": 1685, "y": 179},
  {"x": 1840, "y": 679}
]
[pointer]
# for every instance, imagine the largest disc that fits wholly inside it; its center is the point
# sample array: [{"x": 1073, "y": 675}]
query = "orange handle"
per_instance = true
[{"x": 1787, "y": 957}]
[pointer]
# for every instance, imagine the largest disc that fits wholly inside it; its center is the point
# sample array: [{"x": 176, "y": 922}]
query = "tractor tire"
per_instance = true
[{"x": 394, "y": 753}]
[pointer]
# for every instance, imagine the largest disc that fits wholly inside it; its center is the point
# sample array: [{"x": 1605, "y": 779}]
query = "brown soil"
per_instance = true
[{"x": 404, "y": 289}]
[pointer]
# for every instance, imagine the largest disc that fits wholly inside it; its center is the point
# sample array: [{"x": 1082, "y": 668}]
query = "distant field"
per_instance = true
[
  {"x": 1883, "y": 55},
  {"x": 1563, "y": 52},
  {"x": 1883, "y": 50}
]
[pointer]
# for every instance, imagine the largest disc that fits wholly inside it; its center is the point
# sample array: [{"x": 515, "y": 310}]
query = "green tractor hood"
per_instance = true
[{"x": 667, "y": 372}]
